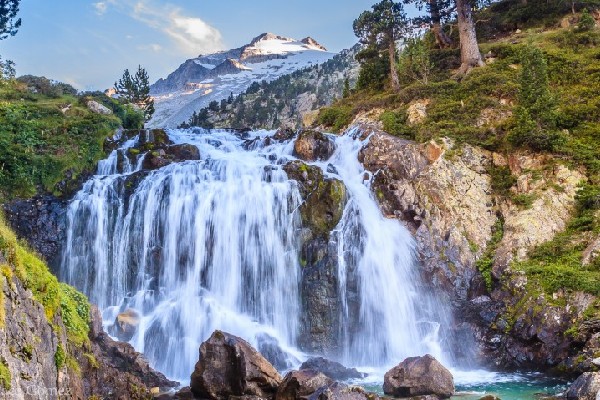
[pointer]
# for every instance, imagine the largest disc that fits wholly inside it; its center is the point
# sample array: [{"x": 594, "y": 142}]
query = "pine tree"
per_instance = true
[
  {"x": 8, "y": 12},
  {"x": 346, "y": 91},
  {"x": 136, "y": 90},
  {"x": 380, "y": 29}
]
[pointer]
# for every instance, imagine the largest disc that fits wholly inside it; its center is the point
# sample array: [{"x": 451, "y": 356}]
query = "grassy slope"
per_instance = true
[
  {"x": 455, "y": 107},
  {"x": 40, "y": 146}
]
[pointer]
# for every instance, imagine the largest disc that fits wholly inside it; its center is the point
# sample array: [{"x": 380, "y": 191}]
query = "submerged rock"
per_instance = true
[
  {"x": 268, "y": 346},
  {"x": 332, "y": 369},
  {"x": 586, "y": 387},
  {"x": 230, "y": 366},
  {"x": 419, "y": 376},
  {"x": 313, "y": 146}
]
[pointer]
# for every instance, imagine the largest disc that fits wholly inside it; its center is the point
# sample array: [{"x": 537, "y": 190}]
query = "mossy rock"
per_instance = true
[{"x": 324, "y": 199}]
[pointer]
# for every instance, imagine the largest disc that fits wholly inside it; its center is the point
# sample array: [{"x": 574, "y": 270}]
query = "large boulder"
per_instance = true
[
  {"x": 332, "y": 369},
  {"x": 313, "y": 146},
  {"x": 586, "y": 387},
  {"x": 419, "y": 376},
  {"x": 230, "y": 366},
  {"x": 301, "y": 384}
]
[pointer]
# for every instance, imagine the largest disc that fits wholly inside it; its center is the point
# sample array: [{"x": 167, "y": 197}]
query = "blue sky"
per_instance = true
[{"x": 89, "y": 43}]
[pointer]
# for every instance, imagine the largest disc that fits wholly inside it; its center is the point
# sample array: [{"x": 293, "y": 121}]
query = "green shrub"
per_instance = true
[
  {"x": 336, "y": 117},
  {"x": 395, "y": 123},
  {"x": 586, "y": 21}
]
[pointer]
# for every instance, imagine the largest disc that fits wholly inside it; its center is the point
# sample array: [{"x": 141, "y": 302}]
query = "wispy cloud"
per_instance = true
[
  {"x": 155, "y": 47},
  {"x": 100, "y": 7},
  {"x": 190, "y": 34}
]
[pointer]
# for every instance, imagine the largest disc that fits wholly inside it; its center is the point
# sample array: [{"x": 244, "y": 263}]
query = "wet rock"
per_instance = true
[
  {"x": 312, "y": 146},
  {"x": 332, "y": 369},
  {"x": 284, "y": 134},
  {"x": 170, "y": 154},
  {"x": 268, "y": 346},
  {"x": 126, "y": 324},
  {"x": 586, "y": 387},
  {"x": 301, "y": 384},
  {"x": 321, "y": 305},
  {"x": 40, "y": 220},
  {"x": 419, "y": 376},
  {"x": 324, "y": 199},
  {"x": 116, "y": 369},
  {"x": 339, "y": 391},
  {"x": 229, "y": 366},
  {"x": 183, "y": 152}
]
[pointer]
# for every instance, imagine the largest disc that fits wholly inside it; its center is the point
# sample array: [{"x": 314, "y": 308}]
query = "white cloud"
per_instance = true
[
  {"x": 100, "y": 7},
  {"x": 191, "y": 35},
  {"x": 155, "y": 47}
]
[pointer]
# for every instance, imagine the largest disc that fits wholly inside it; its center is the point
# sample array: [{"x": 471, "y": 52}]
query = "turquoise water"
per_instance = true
[{"x": 473, "y": 385}]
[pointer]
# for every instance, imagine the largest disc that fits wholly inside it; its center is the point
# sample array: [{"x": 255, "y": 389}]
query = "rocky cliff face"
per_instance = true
[
  {"x": 444, "y": 193},
  {"x": 39, "y": 360}
]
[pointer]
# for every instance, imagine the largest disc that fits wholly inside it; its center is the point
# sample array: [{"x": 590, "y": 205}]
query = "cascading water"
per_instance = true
[{"x": 213, "y": 244}]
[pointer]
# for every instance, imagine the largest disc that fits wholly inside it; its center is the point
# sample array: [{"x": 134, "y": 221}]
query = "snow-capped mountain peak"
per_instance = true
[{"x": 213, "y": 77}]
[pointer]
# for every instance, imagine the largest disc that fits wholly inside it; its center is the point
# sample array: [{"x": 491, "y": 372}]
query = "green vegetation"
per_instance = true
[
  {"x": 486, "y": 262},
  {"x": 47, "y": 133},
  {"x": 56, "y": 298},
  {"x": 59, "y": 357},
  {"x": 5, "y": 376}
]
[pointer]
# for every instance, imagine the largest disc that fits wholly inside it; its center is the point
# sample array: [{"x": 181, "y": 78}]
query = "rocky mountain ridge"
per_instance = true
[{"x": 216, "y": 76}]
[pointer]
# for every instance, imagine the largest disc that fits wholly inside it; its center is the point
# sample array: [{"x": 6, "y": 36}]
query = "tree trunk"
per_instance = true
[
  {"x": 393, "y": 74},
  {"x": 470, "y": 56},
  {"x": 441, "y": 39}
]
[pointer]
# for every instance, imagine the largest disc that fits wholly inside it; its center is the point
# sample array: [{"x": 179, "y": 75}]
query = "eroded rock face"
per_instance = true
[
  {"x": 118, "y": 371},
  {"x": 586, "y": 387},
  {"x": 312, "y": 146},
  {"x": 419, "y": 376},
  {"x": 229, "y": 366},
  {"x": 332, "y": 369},
  {"x": 29, "y": 343},
  {"x": 443, "y": 193},
  {"x": 445, "y": 201}
]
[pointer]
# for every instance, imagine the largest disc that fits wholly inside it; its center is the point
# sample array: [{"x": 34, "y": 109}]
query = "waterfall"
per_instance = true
[{"x": 214, "y": 244}]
